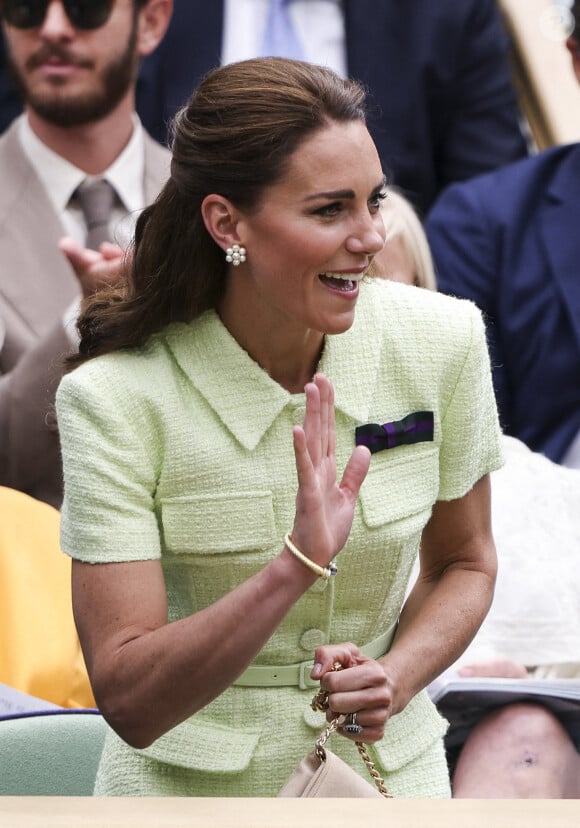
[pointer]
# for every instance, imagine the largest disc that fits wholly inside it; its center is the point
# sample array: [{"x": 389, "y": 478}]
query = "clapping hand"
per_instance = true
[{"x": 94, "y": 269}]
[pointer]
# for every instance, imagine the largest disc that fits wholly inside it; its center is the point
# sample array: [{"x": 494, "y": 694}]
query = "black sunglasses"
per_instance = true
[{"x": 83, "y": 14}]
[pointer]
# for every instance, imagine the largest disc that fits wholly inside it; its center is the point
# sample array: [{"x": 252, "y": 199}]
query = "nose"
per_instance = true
[
  {"x": 369, "y": 235},
  {"x": 56, "y": 24}
]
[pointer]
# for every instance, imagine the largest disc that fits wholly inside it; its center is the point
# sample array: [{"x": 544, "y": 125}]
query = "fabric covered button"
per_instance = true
[
  {"x": 311, "y": 639},
  {"x": 315, "y": 719}
]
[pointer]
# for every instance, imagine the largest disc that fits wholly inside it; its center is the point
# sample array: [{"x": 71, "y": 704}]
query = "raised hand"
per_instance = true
[{"x": 324, "y": 508}]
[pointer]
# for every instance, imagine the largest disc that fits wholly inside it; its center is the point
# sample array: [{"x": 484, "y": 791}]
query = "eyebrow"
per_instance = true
[{"x": 334, "y": 194}]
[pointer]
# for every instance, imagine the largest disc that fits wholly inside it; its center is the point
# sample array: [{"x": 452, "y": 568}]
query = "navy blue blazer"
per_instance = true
[
  {"x": 443, "y": 107},
  {"x": 510, "y": 241}
]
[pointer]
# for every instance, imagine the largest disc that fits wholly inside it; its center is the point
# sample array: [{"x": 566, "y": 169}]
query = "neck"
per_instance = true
[
  {"x": 91, "y": 147},
  {"x": 290, "y": 357}
]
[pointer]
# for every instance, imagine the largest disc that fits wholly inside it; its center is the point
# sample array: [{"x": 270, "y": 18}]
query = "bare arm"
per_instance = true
[
  {"x": 452, "y": 595},
  {"x": 148, "y": 675},
  {"x": 440, "y": 617}
]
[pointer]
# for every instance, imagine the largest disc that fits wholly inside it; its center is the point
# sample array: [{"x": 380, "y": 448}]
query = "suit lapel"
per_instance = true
[
  {"x": 559, "y": 228},
  {"x": 29, "y": 232}
]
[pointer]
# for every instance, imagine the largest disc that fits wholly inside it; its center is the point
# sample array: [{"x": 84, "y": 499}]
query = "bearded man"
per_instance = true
[{"x": 77, "y": 164}]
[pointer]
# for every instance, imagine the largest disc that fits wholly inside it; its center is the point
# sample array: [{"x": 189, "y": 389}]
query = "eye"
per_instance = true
[
  {"x": 329, "y": 210},
  {"x": 376, "y": 199}
]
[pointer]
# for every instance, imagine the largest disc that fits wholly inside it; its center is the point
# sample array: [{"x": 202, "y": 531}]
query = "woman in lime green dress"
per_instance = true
[{"x": 250, "y": 355}]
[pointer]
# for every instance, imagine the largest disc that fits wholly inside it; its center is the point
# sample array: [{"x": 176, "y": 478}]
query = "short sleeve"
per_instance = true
[
  {"x": 471, "y": 436},
  {"x": 109, "y": 472}
]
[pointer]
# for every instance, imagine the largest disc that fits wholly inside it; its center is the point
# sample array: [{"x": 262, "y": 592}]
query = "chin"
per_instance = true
[{"x": 336, "y": 326}]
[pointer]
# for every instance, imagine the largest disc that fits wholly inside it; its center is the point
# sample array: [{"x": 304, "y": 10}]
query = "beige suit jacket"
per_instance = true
[{"x": 37, "y": 284}]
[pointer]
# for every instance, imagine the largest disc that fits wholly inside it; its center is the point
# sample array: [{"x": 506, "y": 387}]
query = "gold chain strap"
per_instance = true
[
  {"x": 375, "y": 775},
  {"x": 320, "y": 704},
  {"x": 324, "y": 736}
]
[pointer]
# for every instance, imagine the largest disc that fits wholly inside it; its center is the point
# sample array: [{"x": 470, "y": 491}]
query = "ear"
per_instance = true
[
  {"x": 153, "y": 22},
  {"x": 573, "y": 47},
  {"x": 221, "y": 220}
]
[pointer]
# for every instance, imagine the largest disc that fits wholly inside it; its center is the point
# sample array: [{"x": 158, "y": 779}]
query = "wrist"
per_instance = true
[
  {"x": 294, "y": 571},
  {"x": 325, "y": 572}
]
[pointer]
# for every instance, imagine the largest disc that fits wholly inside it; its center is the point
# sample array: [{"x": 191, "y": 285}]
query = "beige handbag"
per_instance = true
[{"x": 322, "y": 773}]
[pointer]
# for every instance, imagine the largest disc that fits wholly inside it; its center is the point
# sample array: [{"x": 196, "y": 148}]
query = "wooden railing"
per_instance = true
[{"x": 547, "y": 86}]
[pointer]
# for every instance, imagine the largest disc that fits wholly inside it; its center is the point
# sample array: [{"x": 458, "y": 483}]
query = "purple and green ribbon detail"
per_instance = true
[{"x": 414, "y": 428}]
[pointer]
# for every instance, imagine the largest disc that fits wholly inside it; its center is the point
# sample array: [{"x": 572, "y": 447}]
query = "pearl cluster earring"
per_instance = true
[{"x": 236, "y": 254}]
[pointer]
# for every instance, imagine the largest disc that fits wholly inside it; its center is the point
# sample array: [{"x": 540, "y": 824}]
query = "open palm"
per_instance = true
[{"x": 324, "y": 508}]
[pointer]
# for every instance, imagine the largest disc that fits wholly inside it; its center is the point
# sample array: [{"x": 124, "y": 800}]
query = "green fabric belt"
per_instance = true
[{"x": 287, "y": 675}]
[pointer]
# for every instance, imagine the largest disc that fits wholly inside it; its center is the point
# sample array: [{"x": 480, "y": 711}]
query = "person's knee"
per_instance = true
[
  {"x": 526, "y": 725},
  {"x": 520, "y": 750}
]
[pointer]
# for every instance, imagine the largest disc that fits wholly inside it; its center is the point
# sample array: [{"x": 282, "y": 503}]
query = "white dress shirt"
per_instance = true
[
  {"x": 61, "y": 178},
  {"x": 319, "y": 25}
]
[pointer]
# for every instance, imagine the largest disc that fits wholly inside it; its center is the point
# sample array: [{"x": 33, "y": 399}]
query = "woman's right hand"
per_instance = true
[{"x": 324, "y": 508}]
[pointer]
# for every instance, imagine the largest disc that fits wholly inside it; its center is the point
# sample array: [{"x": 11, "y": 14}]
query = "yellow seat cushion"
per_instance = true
[{"x": 39, "y": 649}]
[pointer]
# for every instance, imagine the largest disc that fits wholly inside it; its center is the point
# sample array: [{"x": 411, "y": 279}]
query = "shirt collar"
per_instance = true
[
  {"x": 350, "y": 360},
  {"x": 127, "y": 171},
  {"x": 61, "y": 178}
]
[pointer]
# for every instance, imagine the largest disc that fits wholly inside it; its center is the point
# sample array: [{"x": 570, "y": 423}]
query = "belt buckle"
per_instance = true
[{"x": 304, "y": 680}]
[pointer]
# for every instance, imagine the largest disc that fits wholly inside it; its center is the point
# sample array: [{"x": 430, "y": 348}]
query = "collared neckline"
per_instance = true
[
  {"x": 61, "y": 178},
  {"x": 349, "y": 359}
]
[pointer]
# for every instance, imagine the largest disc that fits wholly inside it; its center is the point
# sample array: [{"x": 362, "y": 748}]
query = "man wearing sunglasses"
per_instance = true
[{"x": 75, "y": 63}]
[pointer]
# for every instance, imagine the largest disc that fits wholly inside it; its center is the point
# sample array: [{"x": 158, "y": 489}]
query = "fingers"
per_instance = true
[
  {"x": 329, "y": 655},
  {"x": 361, "y": 688},
  {"x": 498, "y": 667},
  {"x": 111, "y": 251},
  {"x": 317, "y": 441},
  {"x": 327, "y": 425},
  {"x": 93, "y": 268},
  {"x": 324, "y": 509},
  {"x": 356, "y": 471},
  {"x": 304, "y": 466},
  {"x": 78, "y": 255},
  {"x": 319, "y": 423},
  {"x": 312, "y": 423},
  {"x": 372, "y": 724}
]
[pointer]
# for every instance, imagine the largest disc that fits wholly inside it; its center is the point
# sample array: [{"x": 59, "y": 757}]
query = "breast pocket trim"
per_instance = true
[
  {"x": 218, "y": 523},
  {"x": 398, "y": 487}
]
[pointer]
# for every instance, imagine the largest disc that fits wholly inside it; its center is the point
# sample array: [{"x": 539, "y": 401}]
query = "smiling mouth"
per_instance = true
[{"x": 345, "y": 282}]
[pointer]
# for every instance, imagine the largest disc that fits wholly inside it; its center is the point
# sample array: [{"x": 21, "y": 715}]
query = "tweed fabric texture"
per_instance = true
[{"x": 183, "y": 452}]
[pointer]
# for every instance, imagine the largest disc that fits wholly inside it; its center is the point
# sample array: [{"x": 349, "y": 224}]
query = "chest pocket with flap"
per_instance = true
[
  {"x": 400, "y": 486},
  {"x": 218, "y": 523}
]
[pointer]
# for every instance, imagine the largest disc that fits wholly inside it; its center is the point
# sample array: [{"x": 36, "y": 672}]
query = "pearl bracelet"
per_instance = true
[{"x": 325, "y": 572}]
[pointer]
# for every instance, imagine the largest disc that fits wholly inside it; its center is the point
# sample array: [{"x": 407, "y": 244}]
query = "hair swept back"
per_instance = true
[{"x": 234, "y": 137}]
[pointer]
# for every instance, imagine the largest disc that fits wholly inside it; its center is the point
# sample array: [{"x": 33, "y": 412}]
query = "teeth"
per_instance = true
[{"x": 346, "y": 277}]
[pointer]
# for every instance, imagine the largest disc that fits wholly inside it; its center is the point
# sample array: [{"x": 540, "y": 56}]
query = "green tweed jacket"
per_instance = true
[{"x": 183, "y": 451}]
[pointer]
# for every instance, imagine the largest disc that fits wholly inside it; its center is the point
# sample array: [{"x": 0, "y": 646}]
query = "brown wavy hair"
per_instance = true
[{"x": 234, "y": 137}]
